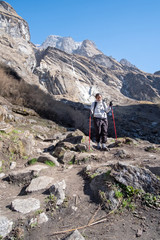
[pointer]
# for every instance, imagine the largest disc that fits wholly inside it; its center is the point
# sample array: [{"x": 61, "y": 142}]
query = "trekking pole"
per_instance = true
[
  {"x": 89, "y": 131},
  {"x": 114, "y": 123}
]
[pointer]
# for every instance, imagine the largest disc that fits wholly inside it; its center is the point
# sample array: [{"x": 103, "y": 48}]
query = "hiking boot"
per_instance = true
[
  {"x": 98, "y": 146},
  {"x": 104, "y": 148}
]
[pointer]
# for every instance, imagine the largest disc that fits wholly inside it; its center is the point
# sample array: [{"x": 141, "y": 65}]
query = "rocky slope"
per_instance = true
[{"x": 50, "y": 182}]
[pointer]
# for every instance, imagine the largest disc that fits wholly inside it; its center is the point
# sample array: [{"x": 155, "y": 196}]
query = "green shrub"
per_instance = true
[
  {"x": 32, "y": 161},
  {"x": 49, "y": 163}
]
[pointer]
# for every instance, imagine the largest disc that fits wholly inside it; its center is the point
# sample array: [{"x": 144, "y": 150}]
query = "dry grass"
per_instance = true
[
  {"x": 19, "y": 92},
  {"x": 145, "y": 102}
]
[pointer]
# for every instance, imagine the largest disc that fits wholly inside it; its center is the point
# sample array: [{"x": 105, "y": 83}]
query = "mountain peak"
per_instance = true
[
  {"x": 86, "y": 48},
  {"x": 13, "y": 24},
  {"x": 126, "y": 63},
  {"x": 66, "y": 44},
  {"x": 8, "y": 9}
]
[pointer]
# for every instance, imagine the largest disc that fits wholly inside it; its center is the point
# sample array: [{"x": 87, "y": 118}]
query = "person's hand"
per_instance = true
[{"x": 110, "y": 104}]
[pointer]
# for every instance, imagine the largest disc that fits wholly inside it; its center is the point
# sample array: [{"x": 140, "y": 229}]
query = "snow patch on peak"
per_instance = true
[{"x": 66, "y": 44}]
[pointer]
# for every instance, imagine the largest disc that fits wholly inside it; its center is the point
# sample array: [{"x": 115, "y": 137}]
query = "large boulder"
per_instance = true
[
  {"x": 24, "y": 176},
  {"x": 25, "y": 205},
  {"x": 76, "y": 137},
  {"x": 68, "y": 157},
  {"x": 103, "y": 189},
  {"x": 39, "y": 183},
  {"x": 47, "y": 157},
  {"x": 113, "y": 183},
  {"x": 138, "y": 178},
  {"x": 58, "y": 189},
  {"x": 5, "y": 226},
  {"x": 28, "y": 142}
]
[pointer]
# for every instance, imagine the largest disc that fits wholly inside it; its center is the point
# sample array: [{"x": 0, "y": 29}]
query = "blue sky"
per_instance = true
[{"x": 120, "y": 28}]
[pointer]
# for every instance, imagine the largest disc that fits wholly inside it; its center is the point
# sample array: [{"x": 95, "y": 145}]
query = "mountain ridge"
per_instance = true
[{"x": 71, "y": 75}]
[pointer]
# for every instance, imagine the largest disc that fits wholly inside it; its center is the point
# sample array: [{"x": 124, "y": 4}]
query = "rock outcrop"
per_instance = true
[
  {"x": 126, "y": 63},
  {"x": 12, "y": 23},
  {"x": 16, "y": 50}
]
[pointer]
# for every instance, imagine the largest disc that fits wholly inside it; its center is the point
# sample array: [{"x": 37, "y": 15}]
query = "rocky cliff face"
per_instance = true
[
  {"x": 79, "y": 78},
  {"x": 15, "y": 49},
  {"x": 76, "y": 77},
  {"x": 11, "y": 23}
]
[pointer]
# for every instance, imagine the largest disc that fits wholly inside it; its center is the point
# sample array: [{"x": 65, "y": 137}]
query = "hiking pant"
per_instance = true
[{"x": 101, "y": 127}]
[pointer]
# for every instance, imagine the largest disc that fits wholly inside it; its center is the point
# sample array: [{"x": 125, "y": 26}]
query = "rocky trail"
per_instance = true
[
  {"x": 51, "y": 186},
  {"x": 50, "y": 183}
]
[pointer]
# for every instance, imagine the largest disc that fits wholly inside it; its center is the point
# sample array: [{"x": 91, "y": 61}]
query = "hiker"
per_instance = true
[{"x": 99, "y": 112}]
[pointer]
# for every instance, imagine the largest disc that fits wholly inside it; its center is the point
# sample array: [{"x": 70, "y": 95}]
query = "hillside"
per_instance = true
[
  {"x": 52, "y": 185},
  {"x": 50, "y": 182}
]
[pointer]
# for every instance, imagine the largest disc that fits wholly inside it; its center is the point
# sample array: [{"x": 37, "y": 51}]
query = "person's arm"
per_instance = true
[
  {"x": 92, "y": 107},
  {"x": 107, "y": 108}
]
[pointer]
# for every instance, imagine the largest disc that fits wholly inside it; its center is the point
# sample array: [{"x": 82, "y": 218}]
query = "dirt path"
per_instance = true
[{"x": 81, "y": 205}]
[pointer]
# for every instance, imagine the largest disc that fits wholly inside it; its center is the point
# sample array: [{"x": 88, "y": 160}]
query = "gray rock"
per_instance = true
[
  {"x": 75, "y": 137},
  {"x": 47, "y": 157},
  {"x": 88, "y": 168},
  {"x": 138, "y": 178},
  {"x": 28, "y": 142},
  {"x": 68, "y": 156},
  {"x": 12, "y": 165},
  {"x": 58, "y": 189},
  {"x": 39, "y": 183},
  {"x": 32, "y": 121},
  {"x": 39, "y": 136},
  {"x": 122, "y": 154},
  {"x": 102, "y": 189},
  {"x": 81, "y": 147},
  {"x": 66, "y": 145},
  {"x": 84, "y": 157},
  {"x": 40, "y": 129},
  {"x": 24, "y": 111},
  {"x": 2, "y": 175},
  {"x": 58, "y": 136},
  {"x": 41, "y": 218},
  {"x": 5, "y": 127},
  {"x": 59, "y": 152},
  {"x": 25, "y": 205},
  {"x": 0, "y": 164},
  {"x": 139, "y": 232},
  {"x": 24, "y": 176},
  {"x": 75, "y": 236},
  {"x": 5, "y": 226}
]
